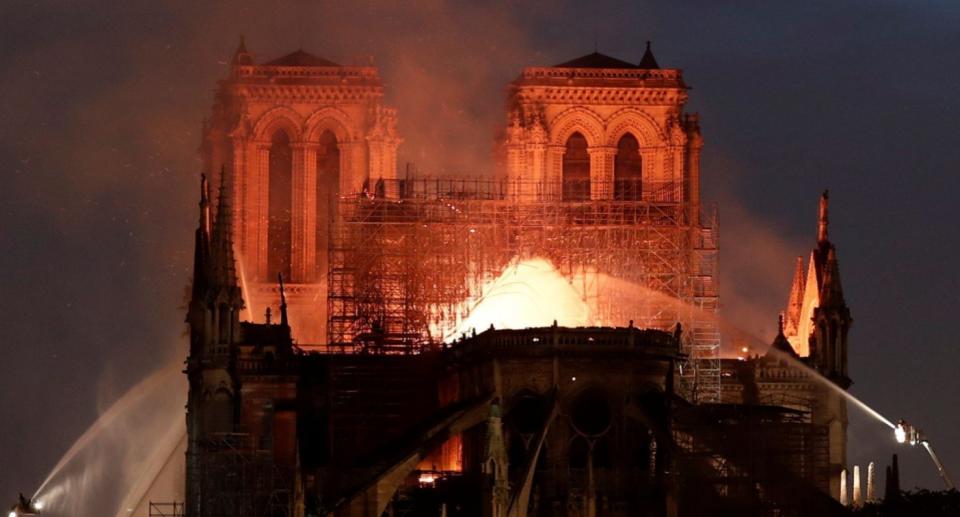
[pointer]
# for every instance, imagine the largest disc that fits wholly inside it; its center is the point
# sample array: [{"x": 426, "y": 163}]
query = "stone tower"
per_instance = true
[
  {"x": 293, "y": 135},
  {"x": 817, "y": 328},
  {"x": 598, "y": 128},
  {"x": 213, "y": 320}
]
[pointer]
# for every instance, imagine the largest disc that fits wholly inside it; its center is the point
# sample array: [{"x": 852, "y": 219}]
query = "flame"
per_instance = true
[{"x": 528, "y": 293}]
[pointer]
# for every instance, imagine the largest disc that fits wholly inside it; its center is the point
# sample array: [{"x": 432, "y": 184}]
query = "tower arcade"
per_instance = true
[
  {"x": 598, "y": 128},
  {"x": 292, "y": 135}
]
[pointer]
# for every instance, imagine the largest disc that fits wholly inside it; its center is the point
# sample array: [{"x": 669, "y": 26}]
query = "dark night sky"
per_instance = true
[{"x": 100, "y": 113}]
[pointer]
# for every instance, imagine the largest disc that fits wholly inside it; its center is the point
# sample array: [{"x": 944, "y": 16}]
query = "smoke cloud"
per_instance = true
[{"x": 102, "y": 107}]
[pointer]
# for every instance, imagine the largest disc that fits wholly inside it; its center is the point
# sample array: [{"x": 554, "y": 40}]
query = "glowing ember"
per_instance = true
[{"x": 427, "y": 479}]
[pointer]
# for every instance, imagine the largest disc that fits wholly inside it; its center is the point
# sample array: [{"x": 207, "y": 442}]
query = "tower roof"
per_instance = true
[
  {"x": 242, "y": 56},
  {"x": 831, "y": 292},
  {"x": 224, "y": 266},
  {"x": 823, "y": 219},
  {"x": 795, "y": 303},
  {"x": 201, "y": 248},
  {"x": 781, "y": 344},
  {"x": 301, "y": 58},
  {"x": 596, "y": 60},
  {"x": 648, "y": 62}
]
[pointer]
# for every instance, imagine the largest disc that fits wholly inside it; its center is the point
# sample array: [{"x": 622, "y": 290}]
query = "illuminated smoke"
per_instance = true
[
  {"x": 529, "y": 293},
  {"x": 111, "y": 467}
]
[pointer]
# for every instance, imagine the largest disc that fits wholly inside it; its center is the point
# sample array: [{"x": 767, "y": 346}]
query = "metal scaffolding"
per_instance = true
[
  {"x": 243, "y": 480},
  {"x": 736, "y": 449},
  {"x": 409, "y": 258}
]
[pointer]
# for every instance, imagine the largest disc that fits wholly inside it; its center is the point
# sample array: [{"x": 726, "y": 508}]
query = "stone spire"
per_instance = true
[
  {"x": 831, "y": 292},
  {"x": 648, "y": 61},
  {"x": 823, "y": 221},
  {"x": 780, "y": 343},
  {"x": 205, "y": 204},
  {"x": 283, "y": 303},
  {"x": 201, "y": 248},
  {"x": 241, "y": 56},
  {"x": 224, "y": 271},
  {"x": 795, "y": 303}
]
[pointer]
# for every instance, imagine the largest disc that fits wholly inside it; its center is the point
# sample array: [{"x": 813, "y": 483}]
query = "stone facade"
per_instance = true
[
  {"x": 314, "y": 129},
  {"x": 603, "y": 100}
]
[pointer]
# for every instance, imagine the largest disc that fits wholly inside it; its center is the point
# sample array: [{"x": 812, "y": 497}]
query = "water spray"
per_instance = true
[
  {"x": 25, "y": 507},
  {"x": 906, "y": 434}
]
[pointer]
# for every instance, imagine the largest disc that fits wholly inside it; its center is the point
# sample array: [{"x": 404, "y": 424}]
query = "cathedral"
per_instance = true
[{"x": 328, "y": 370}]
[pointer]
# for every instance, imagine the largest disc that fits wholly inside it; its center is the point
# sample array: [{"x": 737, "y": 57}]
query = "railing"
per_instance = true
[
  {"x": 626, "y": 190},
  {"x": 635, "y": 74},
  {"x": 364, "y": 73},
  {"x": 167, "y": 509}
]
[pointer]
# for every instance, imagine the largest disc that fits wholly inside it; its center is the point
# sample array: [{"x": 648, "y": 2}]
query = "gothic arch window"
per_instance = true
[
  {"x": 328, "y": 188},
  {"x": 628, "y": 170},
  {"x": 576, "y": 169},
  {"x": 279, "y": 228}
]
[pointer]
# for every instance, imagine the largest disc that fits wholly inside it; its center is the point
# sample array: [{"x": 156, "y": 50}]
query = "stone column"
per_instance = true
[
  {"x": 553, "y": 189},
  {"x": 601, "y": 172},
  {"x": 651, "y": 181},
  {"x": 238, "y": 180},
  {"x": 353, "y": 171},
  {"x": 515, "y": 165},
  {"x": 389, "y": 171},
  {"x": 375, "y": 165},
  {"x": 694, "y": 145},
  {"x": 260, "y": 206},
  {"x": 304, "y": 212},
  {"x": 532, "y": 183}
]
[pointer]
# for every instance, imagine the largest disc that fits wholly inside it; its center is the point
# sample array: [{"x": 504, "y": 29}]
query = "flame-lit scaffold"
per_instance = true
[{"x": 406, "y": 270}]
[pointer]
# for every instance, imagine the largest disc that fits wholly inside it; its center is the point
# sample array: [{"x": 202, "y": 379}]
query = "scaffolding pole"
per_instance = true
[{"x": 404, "y": 271}]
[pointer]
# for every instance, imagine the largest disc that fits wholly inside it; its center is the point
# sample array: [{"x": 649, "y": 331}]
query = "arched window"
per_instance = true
[
  {"x": 576, "y": 169},
  {"x": 279, "y": 233},
  {"x": 328, "y": 187},
  {"x": 627, "y": 170}
]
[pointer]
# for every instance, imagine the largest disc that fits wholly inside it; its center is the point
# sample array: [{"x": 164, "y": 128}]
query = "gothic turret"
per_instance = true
[
  {"x": 648, "y": 61},
  {"x": 780, "y": 343},
  {"x": 823, "y": 220},
  {"x": 495, "y": 465},
  {"x": 831, "y": 317},
  {"x": 795, "y": 303},
  {"x": 831, "y": 323},
  {"x": 242, "y": 57},
  {"x": 213, "y": 318}
]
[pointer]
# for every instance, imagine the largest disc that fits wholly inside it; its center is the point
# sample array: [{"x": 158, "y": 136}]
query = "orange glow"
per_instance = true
[
  {"x": 427, "y": 479},
  {"x": 534, "y": 293},
  {"x": 528, "y": 293}
]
